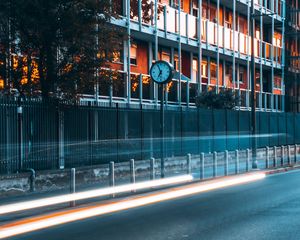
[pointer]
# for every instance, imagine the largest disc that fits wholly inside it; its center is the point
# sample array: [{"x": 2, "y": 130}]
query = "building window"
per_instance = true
[
  {"x": 204, "y": 68},
  {"x": 241, "y": 75},
  {"x": 176, "y": 62},
  {"x": 165, "y": 55},
  {"x": 213, "y": 70},
  {"x": 133, "y": 54},
  {"x": 277, "y": 82},
  {"x": 176, "y": 2},
  {"x": 228, "y": 19}
]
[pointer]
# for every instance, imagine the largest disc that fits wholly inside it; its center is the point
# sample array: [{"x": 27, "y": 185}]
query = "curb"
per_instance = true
[{"x": 283, "y": 169}]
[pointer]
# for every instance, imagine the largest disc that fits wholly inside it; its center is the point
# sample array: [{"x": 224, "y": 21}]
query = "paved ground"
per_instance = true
[{"x": 267, "y": 209}]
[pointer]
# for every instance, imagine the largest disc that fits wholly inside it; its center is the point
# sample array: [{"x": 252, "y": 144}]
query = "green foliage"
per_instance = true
[{"x": 225, "y": 99}]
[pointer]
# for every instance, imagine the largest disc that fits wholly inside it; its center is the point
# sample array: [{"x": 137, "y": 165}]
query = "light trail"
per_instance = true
[
  {"x": 21, "y": 206},
  {"x": 30, "y": 225}
]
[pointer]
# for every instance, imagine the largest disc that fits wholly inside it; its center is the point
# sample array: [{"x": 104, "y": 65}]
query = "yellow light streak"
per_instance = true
[{"x": 79, "y": 214}]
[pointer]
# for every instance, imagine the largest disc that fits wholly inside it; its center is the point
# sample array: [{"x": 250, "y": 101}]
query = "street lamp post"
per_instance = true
[{"x": 253, "y": 83}]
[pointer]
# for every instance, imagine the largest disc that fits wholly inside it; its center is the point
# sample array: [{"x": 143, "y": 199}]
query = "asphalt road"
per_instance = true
[{"x": 267, "y": 209}]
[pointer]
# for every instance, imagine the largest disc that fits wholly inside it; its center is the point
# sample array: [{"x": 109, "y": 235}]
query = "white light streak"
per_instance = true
[
  {"x": 79, "y": 214},
  {"x": 21, "y": 206}
]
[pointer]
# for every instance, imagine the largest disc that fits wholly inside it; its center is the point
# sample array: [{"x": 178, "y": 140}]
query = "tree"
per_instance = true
[
  {"x": 66, "y": 41},
  {"x": 225, "y": 99}
]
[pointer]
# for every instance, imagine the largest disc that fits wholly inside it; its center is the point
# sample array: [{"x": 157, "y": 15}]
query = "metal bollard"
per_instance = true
[
  {"x": 152, "y": 168},
  {"x": 202, "y": 166},
  {"x": 214, "y": 164},
  {"x": 72, "y": 185},
  {"x": 267, "y": 157},
  {"x": 275, "y": 156},
  {"x": 226, "y": 163},
  {"x": 189, "y": 163},
  {"x": 247, "y": 160},
  {"x": 132, "y": 173},
  {"x": 295, "y": 153},
  {"x": 289, "y": 155},
  {"x": 282, "y": 155},
  {"x": 112, "y": 175},
  {"x": 32, "y": 179},
  {"x": 236, "y": 161}
]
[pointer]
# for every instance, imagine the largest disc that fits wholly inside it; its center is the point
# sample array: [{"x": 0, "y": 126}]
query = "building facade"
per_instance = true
[
  {"x": 207, "y": 42},
  {"x": 292, "y": 68}
]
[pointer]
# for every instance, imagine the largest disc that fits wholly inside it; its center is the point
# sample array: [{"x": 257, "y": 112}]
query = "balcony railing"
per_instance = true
[
  {"x": 271, "y": 5},
  {"x": 142, "y": 92},
  {"x": 168, "y": 21}
]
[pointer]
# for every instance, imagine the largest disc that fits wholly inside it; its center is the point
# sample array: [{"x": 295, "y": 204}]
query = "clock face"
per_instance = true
[{"x": 161, "y": 72}]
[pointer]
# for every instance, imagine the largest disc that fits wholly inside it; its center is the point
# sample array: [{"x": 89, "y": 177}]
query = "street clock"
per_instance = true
[{"x": 161, "y": 72}]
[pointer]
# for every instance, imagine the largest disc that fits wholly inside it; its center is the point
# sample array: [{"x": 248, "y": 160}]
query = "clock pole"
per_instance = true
[
  {"x": 162, "y": 72},
  {"x": 162, "y": 133}
]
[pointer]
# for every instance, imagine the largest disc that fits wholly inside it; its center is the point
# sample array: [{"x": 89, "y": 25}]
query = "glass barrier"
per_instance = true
[
  {"x": 228, "y": 38},
  {"x": 243, "y": 43},
  {"x": 171, "y": 20},
  {"x": 203, "y": 30},
  {"x": 192, "y": 21}
]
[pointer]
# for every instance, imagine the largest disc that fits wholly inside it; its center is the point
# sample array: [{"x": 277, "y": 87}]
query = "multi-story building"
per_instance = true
[
  {"x": 208, "y": 42},
  {"x": 292, "y": 70}
]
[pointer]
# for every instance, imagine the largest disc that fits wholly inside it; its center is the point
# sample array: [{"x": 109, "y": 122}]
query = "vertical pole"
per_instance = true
[
  {"x": 295, "y": 153},
  {"x": 202, "y": 166},
  {"x": 132, "y": 173},
  {"x": 179, "y": 53},
  {"x": 162, "y": 125},
  {"x": 282, "y": 155},
  {"x": 226, "y": 163},
  {"x": 20, "y": 136},
  {"x": 61, "y": 149},
  {"x": 72, "y": 185},
  {"x": 253, "y": 95},
  {"x": 218, "y": 45},
  {"x": 275, "y": 156},
  {"x": 189, "y": 163},
  {"x": 267, "y": 157},
  {"x": 236, "y": 161},
  {"x": 247, "y": 160},
  {"x": 152, "y": 168},
  {"x": 128, "y": 85},
  {"x": 199, "y": 46},
  {"x": 214, "y": 164}
]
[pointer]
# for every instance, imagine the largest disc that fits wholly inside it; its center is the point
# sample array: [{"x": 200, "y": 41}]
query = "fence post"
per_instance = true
[
  {"x": 267, "y": 157},
  {"x": 132, "y": 172},
  {"x": 20, "y": 136},
  {"x": 152, "y": 168},
  {"x": 202, "y": 166},
  {"x": 226, "y": 163},
  {"x": 72, "y": 184},
  {"x": 275, "y": 156},
  {"x": 282, "y": 155},
  {"x": 189, "y": 163},
  {"x": 236, "y": 161},
  {"x": 61, "y": 150},
  {"x": 247, "y": 159},
  {"x": 214, "y": 164},
  {"x": 289, "y": 155}
]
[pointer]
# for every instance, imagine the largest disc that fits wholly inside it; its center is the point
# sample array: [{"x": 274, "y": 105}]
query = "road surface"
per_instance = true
[{"x": 266, "y": 209}]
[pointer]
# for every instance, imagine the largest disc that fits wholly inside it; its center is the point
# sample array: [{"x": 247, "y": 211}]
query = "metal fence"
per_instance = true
[{"x": 50, "y": 135}]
